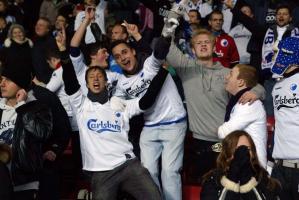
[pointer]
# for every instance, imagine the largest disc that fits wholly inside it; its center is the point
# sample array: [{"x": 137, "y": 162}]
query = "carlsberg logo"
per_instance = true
[
  {"x": 102, "y": 126},
  {"x": 285, "y": 102}
]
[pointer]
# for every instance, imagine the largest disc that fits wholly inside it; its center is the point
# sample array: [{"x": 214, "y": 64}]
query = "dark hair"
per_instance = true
[
  {"x": 118, "y": 42},
  {"x": 215, "y": 12},
  {"x": 94, "y": 68},
  {"x": 52, "y": 53},
  {"x": 197, "y": 12},
  {"x": 93, "y": 48},
  {"x": 248, "y": 74},
  {"x": 247, "y": 5},
  {"x": 284, "y": 6}
]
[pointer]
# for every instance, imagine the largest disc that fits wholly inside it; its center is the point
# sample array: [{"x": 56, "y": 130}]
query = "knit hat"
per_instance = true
[
  {"x": 287, "y": 55},
  {"x": 19, "y": 72}
]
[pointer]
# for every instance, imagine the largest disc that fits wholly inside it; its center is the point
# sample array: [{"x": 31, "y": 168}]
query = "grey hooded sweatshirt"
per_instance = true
[{"x": 205, "y": 94}]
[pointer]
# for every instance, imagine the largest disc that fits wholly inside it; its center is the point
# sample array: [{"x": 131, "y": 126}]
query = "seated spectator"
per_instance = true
[
  {"x": 4, "y": 12},
  {"x": 248, "y": 117},
  {"x": 238, "y": 174}
]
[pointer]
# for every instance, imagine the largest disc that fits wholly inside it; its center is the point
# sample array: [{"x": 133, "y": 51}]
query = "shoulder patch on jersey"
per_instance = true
[{"x": 224, "y": 42}]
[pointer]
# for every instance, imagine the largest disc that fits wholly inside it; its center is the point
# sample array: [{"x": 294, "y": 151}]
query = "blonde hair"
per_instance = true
[{"x": 202, "y": 31}]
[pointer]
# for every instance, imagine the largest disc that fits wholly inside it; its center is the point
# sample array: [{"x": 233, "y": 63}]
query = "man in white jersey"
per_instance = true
[
  {"x": 165, "y": 122},
  {"x": 285, "y": 101},
  {"x": 248, "y": 117},
  {"x": 103, "y": 126},
  {"x": 98, "y": 54}
]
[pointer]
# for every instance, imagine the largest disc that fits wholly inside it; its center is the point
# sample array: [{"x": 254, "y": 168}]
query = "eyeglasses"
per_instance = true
[{"x": 205, "y": 42}]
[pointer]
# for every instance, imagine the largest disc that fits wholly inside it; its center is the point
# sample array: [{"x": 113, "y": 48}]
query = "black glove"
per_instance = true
[
  {"x": 246, "y": 167},
  {"x": 238, "y": 162},
  {"x": 161, "y": 48}
]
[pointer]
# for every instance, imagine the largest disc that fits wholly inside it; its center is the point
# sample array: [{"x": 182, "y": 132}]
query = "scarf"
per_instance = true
[
  {"x": 101, "y": 97},
  {"x": 232, "y": 102}
]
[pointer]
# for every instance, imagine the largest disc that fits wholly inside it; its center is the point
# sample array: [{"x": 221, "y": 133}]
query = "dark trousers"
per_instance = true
[
  {"x": 289, "y": 179},
  {"x": 5, "y": 183},
  {"x": 25, "y": 195},
  {"x": 49, "y": 183},
  {"x": 130, "y": 177},
  {"x": 203, "y": 158}
]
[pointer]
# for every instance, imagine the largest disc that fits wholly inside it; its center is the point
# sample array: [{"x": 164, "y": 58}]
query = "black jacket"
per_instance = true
[
  {"x": 61, "y": 124},
  {"x": 213, "y": 189},
  {"x": 32, "y": 128}
]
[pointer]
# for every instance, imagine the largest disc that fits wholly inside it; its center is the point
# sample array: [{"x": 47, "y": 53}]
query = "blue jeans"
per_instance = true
[
  {"x": 130, "y": 177},
  {"x": 289, "y": 179},
  {"x": 167, "y": 142}
]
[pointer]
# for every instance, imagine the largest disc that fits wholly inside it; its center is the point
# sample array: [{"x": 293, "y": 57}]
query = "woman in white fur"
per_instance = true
[{"x": 238, "y": 174}]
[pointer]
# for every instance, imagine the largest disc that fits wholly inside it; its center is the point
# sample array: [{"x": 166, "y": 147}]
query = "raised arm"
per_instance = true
[
  {"x": 250, "y": 23},
  {"x": 79, "y": 34},
  {"x": 68, "y": 75},
  {"x": 153, "y": 90}
]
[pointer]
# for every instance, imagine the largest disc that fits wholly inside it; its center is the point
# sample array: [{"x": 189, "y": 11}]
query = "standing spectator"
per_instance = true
[
  {"x": 183, "y": 37},
  {"x": 50, "y": 175},
  {"x": 25, "y": 125},
  {"x": 204, "y": 8},
  {"x": 165, "y": 122},
  {"x": 119, "y": 32},
  {"x": 248, "y": 117},
  {"x": 285, "y": 101},
  {"x": 241, "y": 36},
  {"x": 124, "y": 10},
  {"x": 43, "y": 40},
  {"x": 146, "y": 22},
  {"x": 160, "y": 9},
  {"x": 203, "y": 83},
  {"x": 238, "y": 174},
  {"x": 99, "y": 18},
  {"x": 49, "y": 9},
  {"x": 104, "y": 124},
  {"x": 225, "y": 47}
]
